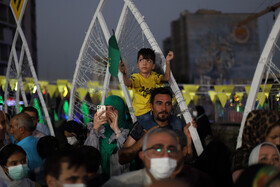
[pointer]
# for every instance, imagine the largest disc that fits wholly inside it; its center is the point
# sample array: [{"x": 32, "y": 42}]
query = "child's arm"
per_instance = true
[
  {"x": 166, "y": 76},
  {"x": 126, "y": 80}
]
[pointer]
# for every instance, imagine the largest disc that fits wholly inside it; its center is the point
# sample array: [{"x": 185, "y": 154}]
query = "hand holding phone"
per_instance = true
[{"x": 101, "y": 108}]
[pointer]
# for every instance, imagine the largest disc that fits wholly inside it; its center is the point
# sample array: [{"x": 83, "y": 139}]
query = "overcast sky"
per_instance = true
[{"x": 62, "y": 25}]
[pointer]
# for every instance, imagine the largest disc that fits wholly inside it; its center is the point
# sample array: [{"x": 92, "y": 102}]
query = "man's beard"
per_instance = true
[{"x": 162, "y": 119}]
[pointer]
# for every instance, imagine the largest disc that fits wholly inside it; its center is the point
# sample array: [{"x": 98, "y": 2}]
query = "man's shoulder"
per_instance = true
[{"x": 133, "y": 178}]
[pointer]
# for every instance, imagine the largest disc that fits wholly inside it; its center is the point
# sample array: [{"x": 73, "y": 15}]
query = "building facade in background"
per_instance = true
[
  {"x": 210, "y": 47},
  {"x": 8, "y": 28}
]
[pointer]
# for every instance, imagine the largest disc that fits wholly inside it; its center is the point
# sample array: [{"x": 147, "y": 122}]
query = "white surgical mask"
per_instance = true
[
  {"x": 194, "y": 113},
  {"x": 162, "y": 168},
  {"x": 74, "y": 185},
  {"x": 72, "y": 140}
]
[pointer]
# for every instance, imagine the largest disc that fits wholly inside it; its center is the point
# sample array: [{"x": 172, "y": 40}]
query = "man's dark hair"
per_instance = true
[
  {"x": 147, "y": 53},
  {"x": 31, "y": 109},
  {"x": 92, "y": 158},
  {"x": 70, "y": 155},
  {"x": 8, "y": 151},
  {"x": 47, "y": 145},
  {"x": 160, "y": 90}
]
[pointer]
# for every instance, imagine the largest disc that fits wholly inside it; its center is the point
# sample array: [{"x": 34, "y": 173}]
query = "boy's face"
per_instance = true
[{"x": 145, "y": 65}]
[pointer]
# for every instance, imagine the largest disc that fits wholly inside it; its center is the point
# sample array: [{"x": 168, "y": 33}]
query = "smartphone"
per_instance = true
[{"x": 101, "y": 108}]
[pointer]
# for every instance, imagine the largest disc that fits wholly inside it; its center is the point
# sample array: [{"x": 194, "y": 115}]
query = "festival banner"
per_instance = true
[
  {"x": 213, "y": 96},
  {"x": 82, "y": 93},
  {"x": 51, "y": 90}
]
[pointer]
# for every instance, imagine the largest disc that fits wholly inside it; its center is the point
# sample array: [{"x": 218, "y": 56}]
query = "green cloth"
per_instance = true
[
  {"x": 107, "y": 149},
  {"x": 114, "y": 56}
]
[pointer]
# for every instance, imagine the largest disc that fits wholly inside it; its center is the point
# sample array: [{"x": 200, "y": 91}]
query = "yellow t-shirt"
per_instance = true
[{"x": 141, "y": 88}]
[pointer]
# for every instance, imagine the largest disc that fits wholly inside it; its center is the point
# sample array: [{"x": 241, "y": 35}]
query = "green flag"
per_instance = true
[{"x": 114, "y": 56}]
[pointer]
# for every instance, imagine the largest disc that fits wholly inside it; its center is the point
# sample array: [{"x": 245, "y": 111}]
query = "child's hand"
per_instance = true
[
  {"x": 169, "y": 56},
  {"x": 122, "y": 68}
]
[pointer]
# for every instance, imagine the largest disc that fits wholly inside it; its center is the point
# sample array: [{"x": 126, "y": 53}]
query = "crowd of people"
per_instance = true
[{"x": 156, "y": 150}]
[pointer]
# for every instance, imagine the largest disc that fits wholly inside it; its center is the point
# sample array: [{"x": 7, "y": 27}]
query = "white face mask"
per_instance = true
[
  {"x": 72, "y": 140},
  {"x": 162, "y": 168},
  {"x": 194, "y": 113},
  {"x": 74, "y": 185}
]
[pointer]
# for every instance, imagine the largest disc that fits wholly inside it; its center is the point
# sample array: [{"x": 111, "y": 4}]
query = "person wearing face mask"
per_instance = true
[
  {"x": 14, "y": 169},
  {"x": 74, "y": 132},
  {"x": 265, "y": 153},
  {"x": 159, "y": 154},
  {"x": 66, "y": 168}
]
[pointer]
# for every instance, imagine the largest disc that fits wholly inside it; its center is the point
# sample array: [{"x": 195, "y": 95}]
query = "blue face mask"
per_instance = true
[{"x": 18, "y": 172}]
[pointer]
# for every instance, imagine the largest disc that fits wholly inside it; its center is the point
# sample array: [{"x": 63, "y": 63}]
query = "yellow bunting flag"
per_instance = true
[
  {"x": 223, "y": 98},
  {"x": 266, "y": 89},
  {"x": 51, "y": 90},
  {"x": 82, "y": 93},
  {"x": 247, "y": 89},
  {"x": 3, "y": 82},
  {"x": 61, "y": 85},
  {"x": 228, "y": 90},
  {"x": 43, "y": 85},
  {"x": 13, "y": 84},
  {"x": 17, "y": 8},
  {"x": 261, "y": 98},
  {"x": 30, "y": 83},
  {"x": 213, "y": 96},
  {"x": 219, "y": 88},
  {"x": 191, "y": 90},
  {"x": 187, "y": 97}
]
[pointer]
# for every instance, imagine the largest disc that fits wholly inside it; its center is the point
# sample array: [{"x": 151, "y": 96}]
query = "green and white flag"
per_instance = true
[{"x": 114, "y": 56}]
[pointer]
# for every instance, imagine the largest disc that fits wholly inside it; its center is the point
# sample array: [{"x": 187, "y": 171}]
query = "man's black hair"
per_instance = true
[
  {"x": 160, "y": 90},
  {"x": 47, "y": 145},
  {"x": 31, "y": 109},
  {"x": 147, "y": 53},
  {"x": 92, "y": 158},
  {"x": 70, "y": 155}
]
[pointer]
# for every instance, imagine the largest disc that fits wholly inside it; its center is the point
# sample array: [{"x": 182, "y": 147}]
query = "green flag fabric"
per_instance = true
[{"x": 114, "y": 56}]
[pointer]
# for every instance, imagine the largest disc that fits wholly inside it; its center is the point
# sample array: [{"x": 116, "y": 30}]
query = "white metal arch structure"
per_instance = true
[
  {"x": 22, "y": 67},
  {"x": 132, "y": 34},
  {"x": 265, "y": 59}
]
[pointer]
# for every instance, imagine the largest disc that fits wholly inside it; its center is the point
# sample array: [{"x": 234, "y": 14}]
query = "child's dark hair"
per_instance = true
[{"x": 147, "y": 53}]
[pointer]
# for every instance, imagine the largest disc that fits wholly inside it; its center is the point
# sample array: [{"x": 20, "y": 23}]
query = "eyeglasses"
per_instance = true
[{"x": 158, "y": 150}]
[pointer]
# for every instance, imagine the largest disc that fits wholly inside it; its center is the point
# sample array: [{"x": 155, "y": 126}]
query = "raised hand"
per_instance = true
[
  {"x": 169, "y": 56},
  {"x": 122, "y": 68},
  {"x": 112, "y": 117},
  {"x": 98, "y": 121}
]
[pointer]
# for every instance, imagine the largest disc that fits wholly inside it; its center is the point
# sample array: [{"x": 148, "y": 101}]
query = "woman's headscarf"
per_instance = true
[
  {"x": 257, "y": 126},
  {"x": 255, "y": 153},
  {"x": 107, "y": 149}
]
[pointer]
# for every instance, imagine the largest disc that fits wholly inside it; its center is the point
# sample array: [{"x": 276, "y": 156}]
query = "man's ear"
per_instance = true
[
  {"x": 141, "y": 155},
  {"x": 151, "y": 106},
  {"x": 50, "y": 180},
  {"x": 154, "y": 66},
  {"x": 21, "y": 129}
]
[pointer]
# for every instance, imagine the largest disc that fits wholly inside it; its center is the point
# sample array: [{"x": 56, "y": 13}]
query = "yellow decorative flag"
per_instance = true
[
  {"x": 261, "y": 98},
  {"x": 223, "y": 98},
  {"x": 51, "y": 90},
  {"x": 13, "y": 84},
  {"x": 213, "y": 96},
  {"x": 187, "y": 97},
  {"x": 82, "y": 93},
  {"x": 61, "y": 84},
  {"x": 3, "y": 82},
  {"x": 228, "y": 90},
  {"x": 247, "y": 89}
]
